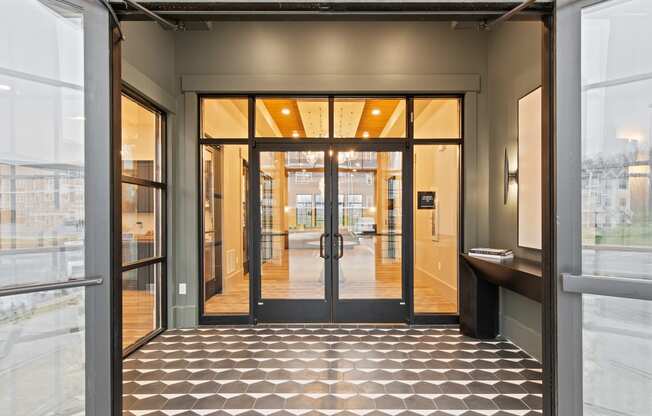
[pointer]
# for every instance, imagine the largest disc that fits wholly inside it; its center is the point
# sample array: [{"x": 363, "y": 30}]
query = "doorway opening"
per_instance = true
[{"x": 329, "y": 187}]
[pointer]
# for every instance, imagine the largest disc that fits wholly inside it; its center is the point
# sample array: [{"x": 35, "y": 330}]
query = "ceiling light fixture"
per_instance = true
[
  {"x": 295, "y": 134},
  {"x": 4, "y": 87},
  {"x": 285, "y": 111},
  {"x": 375, "y": 112},
  {"x": 365, "y": 134}
]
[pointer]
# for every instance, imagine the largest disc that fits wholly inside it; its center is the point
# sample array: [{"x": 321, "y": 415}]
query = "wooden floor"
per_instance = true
[
  {"x": 383, "y": 281},
  {"x": 138, "y": 315}
]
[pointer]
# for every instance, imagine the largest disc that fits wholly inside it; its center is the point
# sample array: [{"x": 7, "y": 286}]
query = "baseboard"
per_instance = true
[{"x": 522, "y": 336}]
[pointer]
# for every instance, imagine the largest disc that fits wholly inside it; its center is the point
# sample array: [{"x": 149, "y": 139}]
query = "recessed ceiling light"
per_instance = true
[
  {"x": 295, "y": 134},
  {"x": 5, "y": 87},
  {"x": 375, "y": 112},
  {"x": 285, "y": 111},
  {"x": 365, "y": 134}
]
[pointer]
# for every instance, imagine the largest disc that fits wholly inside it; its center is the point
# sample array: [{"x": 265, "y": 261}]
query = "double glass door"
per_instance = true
[{"x": 330, "y": 244}]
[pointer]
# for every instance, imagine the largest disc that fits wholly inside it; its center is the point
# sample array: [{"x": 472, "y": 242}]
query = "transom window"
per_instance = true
[{"x": 265, "y": 118}]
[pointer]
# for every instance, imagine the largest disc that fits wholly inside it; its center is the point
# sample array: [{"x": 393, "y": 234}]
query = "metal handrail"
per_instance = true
[
  {"x": 43, "y": 287},
  {"x": 620, "y": 287}
]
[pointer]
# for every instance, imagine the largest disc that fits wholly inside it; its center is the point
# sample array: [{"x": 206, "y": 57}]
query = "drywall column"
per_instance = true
[{"x": 185, "y": 222}]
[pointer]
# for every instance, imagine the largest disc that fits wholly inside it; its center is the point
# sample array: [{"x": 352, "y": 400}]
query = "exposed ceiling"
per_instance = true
[{"x": 448, "y": 10}]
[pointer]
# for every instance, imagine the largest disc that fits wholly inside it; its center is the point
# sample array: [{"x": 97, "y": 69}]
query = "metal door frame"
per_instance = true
[
  {"x": 374, "y": 310},
  {"x": 287, "y": 310}
]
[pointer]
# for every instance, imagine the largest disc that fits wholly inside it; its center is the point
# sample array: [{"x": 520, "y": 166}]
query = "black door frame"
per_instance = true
[
  {"x": 333, "y": 309},
  {"x": 375, "y": 310},
  {"x": 287, "y": 310}
]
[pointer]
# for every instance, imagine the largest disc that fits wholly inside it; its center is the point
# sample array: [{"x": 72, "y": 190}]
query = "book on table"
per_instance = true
[{"x": 491, "y": 253}]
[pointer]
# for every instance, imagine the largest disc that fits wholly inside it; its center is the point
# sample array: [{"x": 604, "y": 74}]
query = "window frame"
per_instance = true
[
  {"x": 373, "y": 144},
  {"x": 161, "y": 187}
]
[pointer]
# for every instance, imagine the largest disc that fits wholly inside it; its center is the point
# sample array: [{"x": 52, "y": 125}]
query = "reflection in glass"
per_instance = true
[
  {"x": 141, "y": 223},
  {"x": 43, "y": 345},
  {"x": 224, "y": 118},
  {"x": 292, "y": 221},
  {"x": 292, "y": 117},
  {"x": 436, "y": 235},
  {"x": 369, "y": 118},
  {"x": 140, "y": 308},
  {"x": 225, "y": 177},
  {"x": 42, "y": 217},
  {"x": 42, "y": 152},
  {"x": 369, "y": 220},
  {"x": 617, "y": 203},
  {"x": 141, "y": 141},
  {"x": 437, "y": 118}
]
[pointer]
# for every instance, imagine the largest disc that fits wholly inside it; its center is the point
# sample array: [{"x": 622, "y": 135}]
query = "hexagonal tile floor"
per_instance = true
[{"x": 330, "y": 370}]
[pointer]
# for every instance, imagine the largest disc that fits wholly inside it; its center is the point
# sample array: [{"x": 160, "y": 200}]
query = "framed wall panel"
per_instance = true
[{"x": 529, "y": 170}]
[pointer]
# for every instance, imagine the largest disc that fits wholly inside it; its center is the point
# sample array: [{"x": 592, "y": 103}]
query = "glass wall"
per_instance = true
[
  {"x": 225, "y": 255},
  {"x": 42, "y": 207},
  {"x": 617, "y": 203},
  {"x": 143, "y": 210},
  {"x": 293, "y": 196},
  {"x": 436, "y": 228}
]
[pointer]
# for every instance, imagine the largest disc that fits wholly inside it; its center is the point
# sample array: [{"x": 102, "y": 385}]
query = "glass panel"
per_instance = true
[
  {"x": 369, "y": 214},
  {"x": 291, "y": 266},
  {"x": 617, "y": 346},
  {"x": 437, "y": 118},
  {"x": 42, "y": 151},
  {"x": 140, "y": 308},
  {"x": 292, "y": 117},
  {"x": 55, "y": 51},
  {"x": 224, "y": 118},
  {"x": 369, "y": 118},
  {"x": 614, "y": 40},
  {"x": 141, "y": 141},
  {"x": 141, "y": 222},
  {"x": 43, "y": 353},
  {"x": 225, "y": 178},
  {"x": 617, "y": 203},
  {"x": 436, "y": 228}
]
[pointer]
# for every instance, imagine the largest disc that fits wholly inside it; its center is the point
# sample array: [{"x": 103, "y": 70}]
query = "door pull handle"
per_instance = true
[{"x": 321, "y": 246}]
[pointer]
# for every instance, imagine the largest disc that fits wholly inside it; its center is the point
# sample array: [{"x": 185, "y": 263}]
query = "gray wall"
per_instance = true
[
  {"x": 150, "y": 50},
  {"x": 514, "y": 69}
]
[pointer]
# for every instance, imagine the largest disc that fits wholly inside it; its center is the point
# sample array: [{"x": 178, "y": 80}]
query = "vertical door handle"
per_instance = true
[
  {"x": 321, "y": 246},
  {"x": 340, "y": 253}
]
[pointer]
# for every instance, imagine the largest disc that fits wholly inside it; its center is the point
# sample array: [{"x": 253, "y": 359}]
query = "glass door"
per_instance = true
[
  {"x": 367, "y": 238},
  {"x": 55, "y": 313},
  {"x": 604, "y": 216},
  {"x": 293, "y": 238}
]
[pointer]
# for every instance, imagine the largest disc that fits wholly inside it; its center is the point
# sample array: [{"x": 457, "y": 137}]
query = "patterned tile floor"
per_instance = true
[{"x": 327, "y": 370}]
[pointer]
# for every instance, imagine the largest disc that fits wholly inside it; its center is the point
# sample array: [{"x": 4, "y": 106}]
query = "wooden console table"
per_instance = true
[{"x": 479, "y": 283}]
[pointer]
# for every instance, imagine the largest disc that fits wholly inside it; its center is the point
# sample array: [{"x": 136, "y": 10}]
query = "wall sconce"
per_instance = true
[{"x": 509, "y": 178}]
